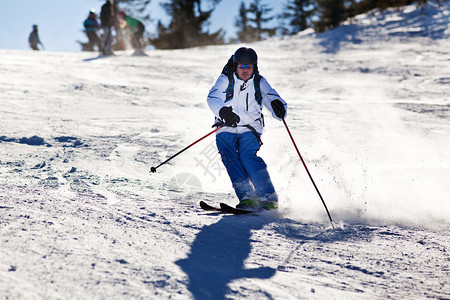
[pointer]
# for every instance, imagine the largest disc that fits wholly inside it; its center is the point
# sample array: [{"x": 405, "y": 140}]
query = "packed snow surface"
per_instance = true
[{"x": 81, "y": 217}]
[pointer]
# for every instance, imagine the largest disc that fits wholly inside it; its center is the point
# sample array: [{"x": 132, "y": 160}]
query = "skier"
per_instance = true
[
  {"x": 91, "y": 25},
  {"x": 107, "y": 21},
  {"x": 236, "y": 99},
  {"x": 137, "y": 29},
  {"x": 34, "y": 40}
]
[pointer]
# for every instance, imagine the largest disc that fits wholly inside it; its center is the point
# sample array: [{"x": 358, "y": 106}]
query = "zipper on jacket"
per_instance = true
[{"x": 247, "y": 101}]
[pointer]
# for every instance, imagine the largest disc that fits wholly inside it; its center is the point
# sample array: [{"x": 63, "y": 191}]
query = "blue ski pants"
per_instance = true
[{"x": 247, "y": 171}]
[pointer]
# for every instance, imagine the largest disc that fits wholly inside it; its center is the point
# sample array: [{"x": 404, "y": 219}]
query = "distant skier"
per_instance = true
[
  {"x": 91, "y": 25},
  {"x": 137, "y": 30},
  {"x": 236, "y": 99},
  {"x": 34, "y": 40},
  {"x": 107, "y": 21}
]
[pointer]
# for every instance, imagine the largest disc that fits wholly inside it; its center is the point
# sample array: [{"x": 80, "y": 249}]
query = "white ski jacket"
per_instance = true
[{"x": 243, "y": 102}]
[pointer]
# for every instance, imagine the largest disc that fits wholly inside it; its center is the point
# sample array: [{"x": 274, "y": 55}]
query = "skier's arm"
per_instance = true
[
  {"x": 217, "y": 94},
  {"x": 269, "y": 95}
]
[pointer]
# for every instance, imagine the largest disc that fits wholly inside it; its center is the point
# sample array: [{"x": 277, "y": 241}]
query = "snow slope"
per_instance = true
[{"x": 81, "y": 217}]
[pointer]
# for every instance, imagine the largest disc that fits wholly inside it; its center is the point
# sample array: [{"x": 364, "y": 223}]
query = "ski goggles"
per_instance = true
[{"x": 242, "y": 66}]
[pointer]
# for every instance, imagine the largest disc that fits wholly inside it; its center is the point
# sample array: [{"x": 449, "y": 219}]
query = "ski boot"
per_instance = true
[
  {"x": 269, "y": 204},
  {"x": 248, "y": 204}
]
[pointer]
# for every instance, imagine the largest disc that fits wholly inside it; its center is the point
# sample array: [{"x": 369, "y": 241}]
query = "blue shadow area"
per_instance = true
[
  {"x": 217, "y": 257},
  {"x": 219, "y": 251},
  {"x": 331, "y": 41},
  {"x": 420, "y": 22}
]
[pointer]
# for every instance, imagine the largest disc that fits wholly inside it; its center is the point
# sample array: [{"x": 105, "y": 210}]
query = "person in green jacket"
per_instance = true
[{"x": 135, "y": 26}]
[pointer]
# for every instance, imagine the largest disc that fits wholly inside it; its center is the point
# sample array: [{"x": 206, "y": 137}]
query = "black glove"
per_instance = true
[
  {"x": 278, "y": 108},
  {"x": 229, "y": 117}
]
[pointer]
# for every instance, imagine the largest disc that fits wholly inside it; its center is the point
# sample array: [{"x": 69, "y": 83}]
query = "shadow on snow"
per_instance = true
[
  {"x": 218, "y": 254},
  {"x": 219, "y": 251}
]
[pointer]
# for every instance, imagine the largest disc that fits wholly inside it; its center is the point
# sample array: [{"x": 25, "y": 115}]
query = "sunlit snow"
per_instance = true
[{"x": 368, "y": 105}]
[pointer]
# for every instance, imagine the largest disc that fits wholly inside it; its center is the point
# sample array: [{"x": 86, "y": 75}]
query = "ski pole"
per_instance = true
[
  {"x": 153, "y": 169},
  {"x": 309, "y": 174}
]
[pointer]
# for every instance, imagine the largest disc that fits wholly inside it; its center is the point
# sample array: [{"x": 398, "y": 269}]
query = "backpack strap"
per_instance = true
[
  {"x": 252, "y": 129},
  {"x": 228, "y": 70},
  {"x": 257, "y": 81},
  {"x": 230, "y": 89}
]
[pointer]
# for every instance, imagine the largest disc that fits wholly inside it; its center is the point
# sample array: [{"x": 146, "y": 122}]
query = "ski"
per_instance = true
[
  {"x": 235, "y": 211},
  {"x": 225, "y": 208},
  {"x": 207, "y": 207}
]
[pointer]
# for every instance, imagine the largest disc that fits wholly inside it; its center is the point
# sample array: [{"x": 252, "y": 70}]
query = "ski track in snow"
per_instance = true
[{"x": 81, "y": 217}]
